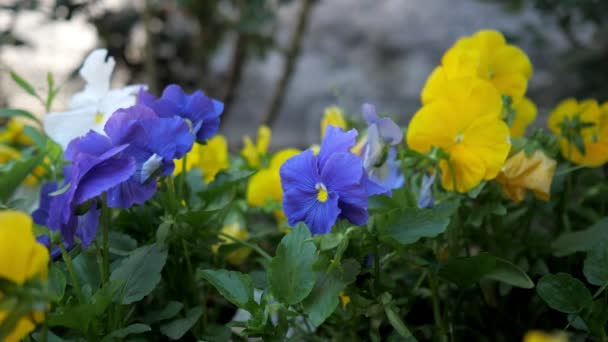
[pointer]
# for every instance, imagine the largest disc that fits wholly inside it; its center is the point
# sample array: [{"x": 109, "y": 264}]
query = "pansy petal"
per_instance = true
[
  {"x": 323, "y": 215},
  {"x": 63, "y": 127},
  {"x": 130, "y": 192},
  {"x": 488, "y": 139},
  {"x": 342, "y": 171},
  {"x": 389, "y": 131},
  {"x": 369, "y": 113},
  {"x": 41, "y": 215},
  {"x": 300, "y": 172},
  {"x": 92, "y": 143},
  {"x": 102, "y": 177},
  {"x": 87, "y": 226},
  {"x": 96, "y": 71},
  {"x": 335, "y": 140}
]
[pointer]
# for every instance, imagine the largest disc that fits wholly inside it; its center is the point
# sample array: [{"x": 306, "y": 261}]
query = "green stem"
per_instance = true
[
  {"x": 376, "y": 265},
  {"x": 105, "y": 216},
  {"x": 182, "y": 178},
  {"x": 70, "y": 266},
  {"x": 436, "y": 308},
  {"x": 247, "y": 244},
  {"x": 188, "y": 261}
]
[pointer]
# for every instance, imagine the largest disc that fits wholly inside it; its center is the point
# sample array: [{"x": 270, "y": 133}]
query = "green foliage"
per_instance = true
[{"x": 564, "y": 293}]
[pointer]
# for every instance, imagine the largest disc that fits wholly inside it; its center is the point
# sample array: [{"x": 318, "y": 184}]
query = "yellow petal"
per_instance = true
[
  {"x": 265, "y": 185},
  {"x": 8, "y": 153},
  {"x": 512, "y": 84},
  {"x": 488, "y": 139},
  {"x": 264, "y": 136},
  {"x": 191, "y": 160},
  {"x": 333, "y": 116},
  {"x": 525, "y": 113},
  {"x": 539, "y": 336},
  {"x": 250, "y": 152},
  {"x": 280, "y": 157},
  {"x": 24, "y": 327},
  {"x": 469, "y": 170},
  {"x": 433, "y": 125},
  {"x": 213, "y": 157}
]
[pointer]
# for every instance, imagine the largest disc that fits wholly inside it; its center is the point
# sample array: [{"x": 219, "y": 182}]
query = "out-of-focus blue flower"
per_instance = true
[
  {"x": 202, "y": 112},
  {"x": 154, "y": 143},
  {"x": 96, "y": 166},
  {"x": 425, "y": 197},
  {"x": 379, "y": 157},
  {"x": 320, "y": 189}
]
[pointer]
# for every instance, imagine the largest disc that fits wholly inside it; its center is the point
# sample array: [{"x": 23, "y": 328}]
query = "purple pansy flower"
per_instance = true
[
  {"x": 202, "y": 112},
  {"x": 379, "y": 154},
  {"x": 96, "y": 166},
  {"x": 320, "y": 189},
  {"x": 153, "y": 142}
]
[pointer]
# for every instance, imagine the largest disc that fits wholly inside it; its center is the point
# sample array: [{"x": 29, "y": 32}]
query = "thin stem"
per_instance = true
[
  {"x": 247, "y": 244},
  {"x": 188, "y": 261},
  {"x": 105, "y": 216},
  {"x": 376, "y": 265},
  {"x": 181, "y": 187},
  {"x": 68, "y": 263},
  {"x": 436, "y": 308}
]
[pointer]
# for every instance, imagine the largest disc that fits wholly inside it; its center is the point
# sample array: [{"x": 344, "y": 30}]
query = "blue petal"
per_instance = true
[
  {"x": 174, "y": 93},
  {"x": 170, "y": 138},
  {"x": 102, "y": 177},
  {"x": 300, "y": 172},
  {"x": 335, "y": 141},
  {"x": 41, "y": 215},
  {"x": 369, "y": 113},
  {"x": 323, "y": 215},
  {"x": 389, "y": 131},
  {"x": 129, "y": 193},
  {"x": 342, "y": 171},
  {"x": 128, "y": 124},
  {"x": 425, "y": 197},
  {"x": 353, "y": 213},
  {"x": 92, "y": 143},
  {"x": 87, "y": 226}
]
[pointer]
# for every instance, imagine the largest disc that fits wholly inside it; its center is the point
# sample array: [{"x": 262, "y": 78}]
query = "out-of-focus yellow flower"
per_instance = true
[
  {"x": 8, "y": 153},
  {"x": 358, "y": 148},
  {"x": 239, "y": 255},
  {"x": 265, "y": 185},
  {"x": 253, "y": 152},
  {"x": 14, "y": 134},
  {"x": 333, "y": 116},
  {"x": 525, "y": 113},
  {"x": 539, "y": 336},
  {"x": 21, "y": 259},
  {"x": 486, "y": 55},
  {"x": 37, "y": 173},
  {"x": 466, "y": 124},
  {"x": 211, "y": 158},
  {"x": 344, "y": 299},
  {"x": 594, "y": 137},
  {"x": 522, "y": 172}
]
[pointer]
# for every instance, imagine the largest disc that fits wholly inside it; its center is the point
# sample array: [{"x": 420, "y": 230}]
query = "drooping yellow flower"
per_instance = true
[
  {"x": 539, "y": 336},
  {"x": 21, "y": 259},
  {"x": 525, "y": 113},
  {"x": 253, "y": 152},
  {"x": 265, "y": 185},
  {"x": 466, "y": 124},
  {"x": 239, "y": 255},
  {"x": 586, "y": 121},
  {"x": 486, "y": 55},
  {"x": 333, "y": 116},
  {"x": 344, "y": 299},
  {"x": 522, "y": 172},
  {"x": 211, "y": 158}
]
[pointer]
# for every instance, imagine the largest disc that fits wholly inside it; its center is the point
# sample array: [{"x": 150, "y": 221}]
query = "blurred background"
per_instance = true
[{"x": 283, "y": 61}]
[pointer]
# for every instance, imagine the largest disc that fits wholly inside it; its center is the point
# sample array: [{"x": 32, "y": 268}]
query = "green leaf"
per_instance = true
[
  {"x": 564, "y": 293},
  {"x": 467, "y": 271},
  {"x": 408, "y": 225},
  {"x": 87, "y": 270},
  {"x": 34, "y": 133},
  {"x": 14, "y": 173},
  {"x": 236, "y": 287},
  {"x": 170, "y": 311},
  {"x": 57, "y": 282},
  {"x": 132, "y": 329},
  {"x": 581, "y": 241},
  {"x": 140, "y": 273},
  {"x": 395, "y": 320},
  {"x": 178, "y": 328},
  {"x": 323, "y": 300},
  {"x": 290, "y": 275},
  {"x": 596, "y": 265},
  {"x": 24, "y": 84},
  {"x": 121, "y": 244},
  {"x": 10, "y": 113}
]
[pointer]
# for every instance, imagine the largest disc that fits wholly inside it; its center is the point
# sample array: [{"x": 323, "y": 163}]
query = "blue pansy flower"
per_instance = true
[
  {"x": 202, "y": 112},
  {"x": 96, "y": 166},
  {"x": 379, "y": 154},
  {"x": 153, "y": 142},
  {"x": 319, "y": 189}
]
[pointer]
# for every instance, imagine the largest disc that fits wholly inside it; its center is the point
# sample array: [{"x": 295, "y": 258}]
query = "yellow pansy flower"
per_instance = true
[
  {"x": 265, "y": 185},
  {"x": 344, "y": 299},
  {"x": 466, "y": 124},
  {"x": 8, "y": 153},
  {"x": 525, "y": 113},
  {"x": 486, "y": 55},
  {"x": 21, "y": 259},
  {"x": 522, "y": 172},
  {"x": 333, "y": 116},
  {"x": 539, "y": 336},
  {"x": 211, "y": 158},
  {"x": 253, "y": 152},
  {"x": 594, "y": 138},
  {"x": 239, "y": 255}
]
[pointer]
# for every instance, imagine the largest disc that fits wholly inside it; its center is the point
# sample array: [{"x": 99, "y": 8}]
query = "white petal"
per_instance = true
[
  {"x": 65, "y": 126},
  {"x": 96, "y": 71},
  {"x": 150, "y": 166},
  {"x": 373, "y": 148}
]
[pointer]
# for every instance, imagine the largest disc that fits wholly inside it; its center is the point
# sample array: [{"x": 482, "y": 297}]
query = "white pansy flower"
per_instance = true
[{"x": 93, "y": 106}]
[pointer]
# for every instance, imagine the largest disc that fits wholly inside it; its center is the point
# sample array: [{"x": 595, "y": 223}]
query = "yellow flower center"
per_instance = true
[
  {"x": 321, "y": 192},
  {"x": 98, "y": 118}
]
